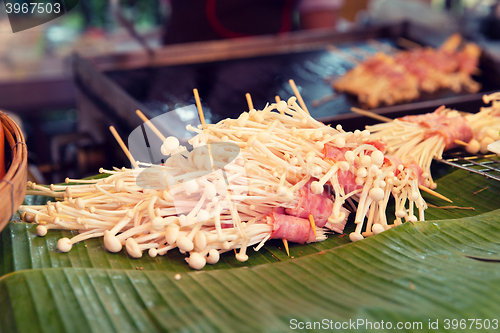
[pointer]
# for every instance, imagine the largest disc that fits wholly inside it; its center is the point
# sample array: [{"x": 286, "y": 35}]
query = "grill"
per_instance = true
[
  {"x": 485, "y": 165},
  {"x": 307, "y": 57}
]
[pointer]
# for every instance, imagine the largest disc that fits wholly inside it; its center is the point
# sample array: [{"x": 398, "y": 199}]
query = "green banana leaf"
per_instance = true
[{"x": 422, "y": 275}]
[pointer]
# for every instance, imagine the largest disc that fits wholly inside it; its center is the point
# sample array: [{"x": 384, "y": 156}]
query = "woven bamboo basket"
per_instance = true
[{"x": 13, "y": 185}]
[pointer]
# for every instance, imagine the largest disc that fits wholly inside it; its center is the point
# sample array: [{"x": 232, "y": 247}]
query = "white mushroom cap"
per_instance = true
[
  {"x": 79, "y": 203},
  {"x": 196, "y": 260},
  {"x": 41, "y": 230},
  {"x": 414, "y": 196},
  {"x": 157, "y": 223},
  {"x": 366, "y": 161},
  {"x": 133, "y": 248},
  {"x": 191, "y": 186},
  {"x": 350, "y": 156},
  {"x": 171, "y": 233},
  {"x": 340, "y": 142},
  {"x": 184, "y": 244},
  {"x": 400, "y": 213},
  {"x": 119, "y": 185},
  {"x": 376, "y": 194},
  {"x": 210, "y": 191},
  {"x": 377, "y": 157},
  {"x": 203, "y": 215},
  {"x": 242, "y": 119},
  {"x": 281, "y": 106},
  {"x": 353, "y": 236},
  {"x": 412, "y": 218},
  {"x": 170, "y": 144},
  {"x": 317, "y": 171},
  {"x": 484, "y": 144},
  {"x": 153, "y": 252},
  {"x": 377, "y": 228},
  {"x": 64, "y": 244},
  {"x": 316, "y": 187},
  {"x": 264, "y": 137},
  {"x": 213, "y": 256},
  {"x": 111, "y": 242},
  {"x": 241, "y": 257},
  {"x": 362, "y": 172},
  {"x": 344, "y": 166},
  {"x": 200, "y": 240}
]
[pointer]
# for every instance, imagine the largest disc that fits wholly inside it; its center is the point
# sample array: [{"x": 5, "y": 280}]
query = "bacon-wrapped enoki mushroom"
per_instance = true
[
  {"x": 418, "y": 139},
  {"x": 485, "y": 125},
  {"x": 384, "y": 79},
  {"x": 206, "y": 202}
]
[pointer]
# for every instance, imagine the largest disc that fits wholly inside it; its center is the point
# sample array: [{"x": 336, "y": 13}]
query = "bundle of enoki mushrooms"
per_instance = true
[
  {"x": 422, "y": 138},
  {"x": 275, "y": 173}
]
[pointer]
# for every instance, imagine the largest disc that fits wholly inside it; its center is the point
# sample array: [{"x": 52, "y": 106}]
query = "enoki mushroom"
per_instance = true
[
  {"x": 421, "y": 138},
  {"x": 272, "y": 173}
]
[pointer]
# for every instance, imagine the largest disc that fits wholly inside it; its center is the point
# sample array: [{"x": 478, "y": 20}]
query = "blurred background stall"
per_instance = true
[{"x": 155, "y": 52}]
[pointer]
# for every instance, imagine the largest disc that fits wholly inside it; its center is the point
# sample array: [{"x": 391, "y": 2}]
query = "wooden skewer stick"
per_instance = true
[
  {"x": 123, "y": 146},
  {"x": 460, "y": 142},
  {"x": 434, "y": 193},
  {"x": 202, "y": 119},
  {"x": 362, "y": 53},
  {"x": 371, "y": 115},
  {"x": 379, "y": 45},
  {"x": 324, "y": 99},
  {"x": 407, "y": 44},
  {"x": 249, "y": 101},
  {"x": 198, "y": 105},
  {"x": 313, "y": 225},
  {"x": 343, "y": 54},
  {"x": 150, "y": 124},
  {"x": 298, "y": 95},
  {"x": 285, "y": 242}
]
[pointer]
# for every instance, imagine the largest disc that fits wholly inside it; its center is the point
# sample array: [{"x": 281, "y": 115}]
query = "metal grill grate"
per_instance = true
[{"x": 485, "y": 165}]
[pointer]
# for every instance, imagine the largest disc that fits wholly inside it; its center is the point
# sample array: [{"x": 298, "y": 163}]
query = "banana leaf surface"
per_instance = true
[{"x": 435, "y": 275}]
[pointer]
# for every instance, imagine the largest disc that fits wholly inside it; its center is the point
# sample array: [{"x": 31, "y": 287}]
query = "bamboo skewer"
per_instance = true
[
  {"x": 408, "y": 44},
  {"x": 123, "y": 146},
  {"x": 249, "y": 101},
  {"x": 434, "y": 193},
  {"x": 344, "y": 55},
  {"x": 371, "y": 114},
  {"x": 198, "y": 105},
  {"x": 298, "y": 95},
  {"x": 324, "y": 99},
  {"x": 150, "y": 124},
  {"x": 388, "y": 120},
  {"x": 386, "y": 48},
  {"x": 460, "y": 142},
  {"x": 313, "y": 225},
  {"x": 202, "y": 119},
  {"x": 285, "y": 243}
]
